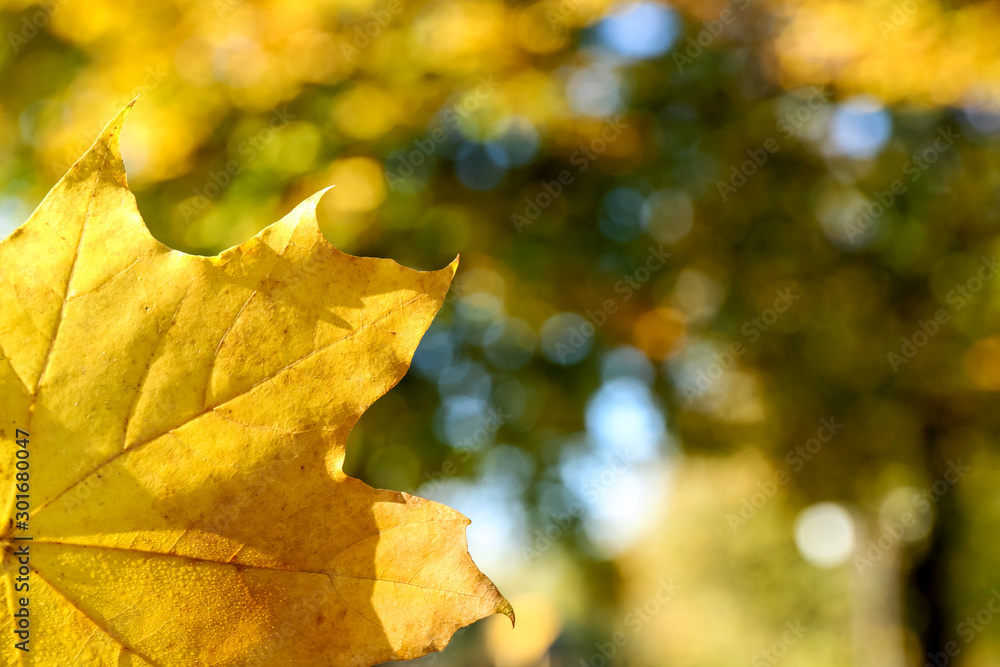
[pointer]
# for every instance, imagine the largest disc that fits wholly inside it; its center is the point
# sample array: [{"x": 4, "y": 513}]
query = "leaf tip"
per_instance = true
[
  {"x": 309, "y": 204},
  {"x": 105, "y": 154},
  {"x": 113, "y": 130},
  {"x": 507, "y": 610},
  {"x": 305, "y": 214}
]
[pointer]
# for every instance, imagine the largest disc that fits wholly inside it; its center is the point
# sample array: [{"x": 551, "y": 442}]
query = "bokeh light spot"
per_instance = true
[
  {"x": 639, "y": 30},
  {"x": 860, "y": 127},
  {"x": 566, "y": 338},
  {"x": 824, "y": 534},
  {"x": 659, "y": 333},
  {"x": 982, "y": 363},
  {"x": 478, "y": 167},
  {"x": 359, "y": 185},
  {"x": 627, "y": 362},
  {"x": 623, "y": 417},
  {"x": 595, "y": 91},
  {"x": 622, "y": 218},
  {"x": 669, "y": 215},
  {"x": 509, "y": 344}
]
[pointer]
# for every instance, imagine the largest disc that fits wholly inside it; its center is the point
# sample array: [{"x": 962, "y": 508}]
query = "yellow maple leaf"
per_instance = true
[{"x": 173, "y": 432}]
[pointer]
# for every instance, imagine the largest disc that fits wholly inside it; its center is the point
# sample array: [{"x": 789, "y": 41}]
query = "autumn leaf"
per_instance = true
[{"x": 178, "y": 425}]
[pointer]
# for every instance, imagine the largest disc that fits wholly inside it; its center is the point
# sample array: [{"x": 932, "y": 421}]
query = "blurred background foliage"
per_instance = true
[{"x": 716, "y": 381}]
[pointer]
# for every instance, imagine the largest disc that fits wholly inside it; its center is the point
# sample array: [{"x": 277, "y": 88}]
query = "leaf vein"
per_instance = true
[{"x": 244, "y": 392}]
